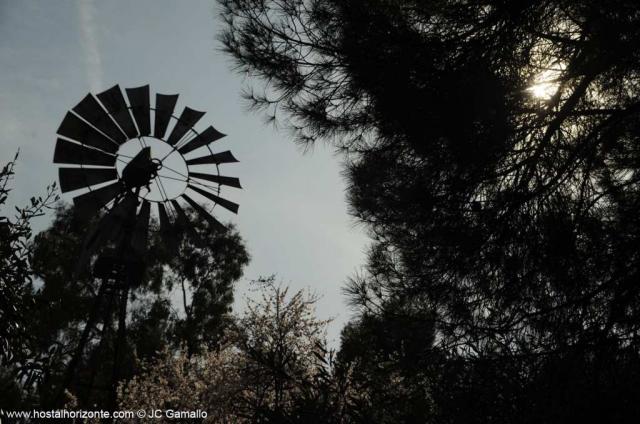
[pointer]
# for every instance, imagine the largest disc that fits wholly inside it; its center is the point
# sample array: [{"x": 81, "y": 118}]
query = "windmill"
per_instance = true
[{"x": 127, "y": 160}]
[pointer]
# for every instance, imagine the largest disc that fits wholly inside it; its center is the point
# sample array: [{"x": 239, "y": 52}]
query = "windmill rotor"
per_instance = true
[
  {"x": 112, "y": 145},
  {"x": 120, "y": 155}
]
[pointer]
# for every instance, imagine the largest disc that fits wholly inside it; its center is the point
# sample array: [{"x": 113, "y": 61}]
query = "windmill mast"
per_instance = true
[{"x": 126, "y": 171}]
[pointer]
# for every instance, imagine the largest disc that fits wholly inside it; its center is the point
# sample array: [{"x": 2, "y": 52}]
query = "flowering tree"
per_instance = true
[
  {"x": 208, "y": 382},
  {"x": 271, "y": 369}
]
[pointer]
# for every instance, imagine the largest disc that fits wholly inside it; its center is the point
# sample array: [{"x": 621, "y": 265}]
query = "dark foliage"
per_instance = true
[
  {"x": 493, "y": 154},
  {"x": 201, "y": 274},
  {"x": 17, "y": 361}
]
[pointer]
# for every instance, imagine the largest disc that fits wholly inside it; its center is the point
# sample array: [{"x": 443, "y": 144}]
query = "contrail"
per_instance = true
[{"x": 90, "y": 44}]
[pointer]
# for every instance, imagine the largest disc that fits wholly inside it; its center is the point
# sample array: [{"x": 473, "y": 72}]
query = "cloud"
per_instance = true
[{"x": 90, "y": 44}]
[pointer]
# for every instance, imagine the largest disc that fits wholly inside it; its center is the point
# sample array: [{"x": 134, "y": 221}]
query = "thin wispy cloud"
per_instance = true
[{"x": 93, "y": 58}]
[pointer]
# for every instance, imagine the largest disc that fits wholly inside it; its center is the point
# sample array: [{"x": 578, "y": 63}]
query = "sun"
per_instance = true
[
  {"x": 543, "y": 90},
  {"x": 545, "y": 84}
]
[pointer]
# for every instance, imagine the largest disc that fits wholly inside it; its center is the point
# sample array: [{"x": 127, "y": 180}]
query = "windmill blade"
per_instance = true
[
  {"x": 166, "y": 227},
  {"x": 187, "y": 119},
  {"x": 228, "y": 181},
  {"x": 206, "y": 137},
  {"x": 118, "y": 220},
  {"x": 113, "y": 101},
  {"x": 68, "y": 152},
  {"x": 168, "y": 232},
  {"x": 214, "y": 223},
  {"x": 110, "y": 227},
  {"x": 185, "y": 224},
  {"x": 182, "y": 220},
  {"x": 165, "y": 104},
  {"x": 227, "y": 204},
  {"x": 90, "y": 109},
  {"x": 75, "y": 178},
  {"x": 217, "y": 158},
  {"x": 76, "y": 129},
  {"x": 140, "y": 107},
  {"x": 86, "y": 205},
  {"x": 165, "y": 223},
  {"x": 141, "y": 230}
]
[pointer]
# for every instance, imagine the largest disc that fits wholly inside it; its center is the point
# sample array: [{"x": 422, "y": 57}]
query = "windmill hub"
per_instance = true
[
  {"x": 165, "y": 168},
  {"x": 140, "y": 171}
]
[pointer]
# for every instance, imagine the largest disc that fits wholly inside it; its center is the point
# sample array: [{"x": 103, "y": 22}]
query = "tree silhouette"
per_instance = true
[
  {"x": 17, "y": 361},
  {"x": 200, "y": 274},
  {"x": 493, "y": 156}
]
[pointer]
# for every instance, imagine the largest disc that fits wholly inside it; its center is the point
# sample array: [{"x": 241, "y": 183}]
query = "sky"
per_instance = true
[{"x": 293, "y": 214}]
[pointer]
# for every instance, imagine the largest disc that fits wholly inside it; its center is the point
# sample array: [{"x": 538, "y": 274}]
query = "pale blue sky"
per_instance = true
[{"x": 292, "y": 209}]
